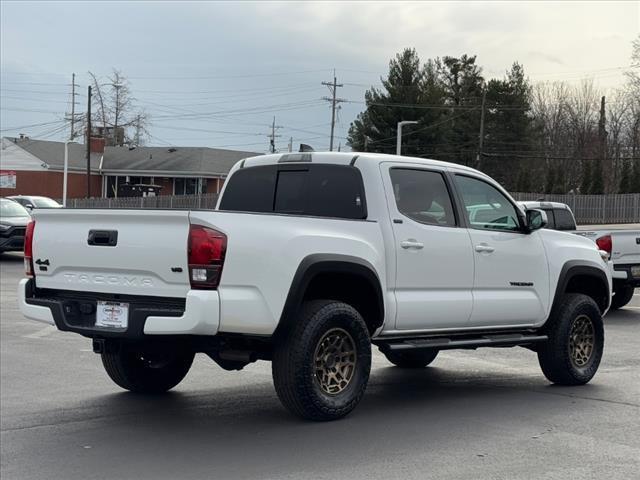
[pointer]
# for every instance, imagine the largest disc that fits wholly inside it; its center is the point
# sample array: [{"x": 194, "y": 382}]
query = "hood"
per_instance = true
[{"x": 15, "y": 221}]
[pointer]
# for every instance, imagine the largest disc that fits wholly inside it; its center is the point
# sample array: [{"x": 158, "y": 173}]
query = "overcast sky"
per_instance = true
[{"x": 241, "y": 63}]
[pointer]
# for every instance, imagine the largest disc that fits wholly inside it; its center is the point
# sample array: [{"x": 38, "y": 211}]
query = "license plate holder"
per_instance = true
[{"x": 112, "y": 315}]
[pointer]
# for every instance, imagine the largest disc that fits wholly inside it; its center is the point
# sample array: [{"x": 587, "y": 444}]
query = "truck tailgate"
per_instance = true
[
  {"x": 132, "y": 252},
  {"x": 626, "y": 246}
]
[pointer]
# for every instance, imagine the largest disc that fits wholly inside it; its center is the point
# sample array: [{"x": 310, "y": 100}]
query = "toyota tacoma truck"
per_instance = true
[
  {"x": 309, "y": 260},
  {"x": 622, "y": 244}
]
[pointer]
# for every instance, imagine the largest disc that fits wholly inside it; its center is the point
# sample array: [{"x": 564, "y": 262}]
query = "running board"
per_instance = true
[{"x": 444, "y": 343}]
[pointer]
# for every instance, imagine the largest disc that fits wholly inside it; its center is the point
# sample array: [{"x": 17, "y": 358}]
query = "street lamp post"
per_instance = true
[
  {"x": 399, "y": 140},
  {"x": 64, "y": 177}
]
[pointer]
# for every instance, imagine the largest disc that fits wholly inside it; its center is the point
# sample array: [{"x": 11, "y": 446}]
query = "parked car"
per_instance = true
[
  {"x": 13, "y": 223},
  {"x": 30, "y": 201},
  {"x": 623, "y": 247},
  {"x": 308, "y": 261}
]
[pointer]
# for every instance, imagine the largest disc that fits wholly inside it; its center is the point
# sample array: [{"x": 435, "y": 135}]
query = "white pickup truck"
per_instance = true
[
  {"x": 307, "y": 261},
  {"x": 622, "y": 245}
]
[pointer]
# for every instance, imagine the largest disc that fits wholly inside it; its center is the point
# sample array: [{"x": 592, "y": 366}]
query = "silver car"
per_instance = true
[{"x": 33, "y": 201}]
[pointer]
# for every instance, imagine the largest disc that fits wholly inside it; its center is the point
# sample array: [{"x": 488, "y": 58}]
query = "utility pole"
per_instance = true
[
  {"x": 290, "y": 144},
  {"x": 272, "y": 136},
  {"x": 606, "y": 169},
  {"x": 89, "y": 141},
  {"x": 72, "y": 117},
  {"x": 73, "y": 105},
  {"x": 333, "y": 87},
  {"x": 481, "y": 137}
]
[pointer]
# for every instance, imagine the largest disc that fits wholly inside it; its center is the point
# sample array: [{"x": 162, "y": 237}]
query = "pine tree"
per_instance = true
[
  {"x": 462, "y": 82},
  {"x": 597, "y": 178},
  {"x": 375, "y": 129},
  {"x": 625, "y": 177},
  {"x": 635, "y": 178},
  {"x": 508, "y": 125},
  {"x": 587, "y": 178}
]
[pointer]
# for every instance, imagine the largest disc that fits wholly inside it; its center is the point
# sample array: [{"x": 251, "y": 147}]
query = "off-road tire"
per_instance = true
[
  {"x": 555, "y": 357},
  {"x": 294, "y": 364},
  {"x": 130, "y": 369},
  {"x": 417, "y": 359},
  {"x": 623, "y": 295}
]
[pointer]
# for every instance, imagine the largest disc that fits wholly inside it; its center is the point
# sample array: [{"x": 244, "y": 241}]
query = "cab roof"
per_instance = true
[{"x": 345, "y": 158}]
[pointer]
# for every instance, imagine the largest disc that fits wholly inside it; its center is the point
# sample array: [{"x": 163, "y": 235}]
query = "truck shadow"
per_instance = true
[
  {"x": 11, "y": 257},
  {"x": 244, "y": 432}
]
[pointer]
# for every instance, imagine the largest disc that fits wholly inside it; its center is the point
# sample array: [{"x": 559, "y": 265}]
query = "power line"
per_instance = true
[{"x": 8, "y": 129}]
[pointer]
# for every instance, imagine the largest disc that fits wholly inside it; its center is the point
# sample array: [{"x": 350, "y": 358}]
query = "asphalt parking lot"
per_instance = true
[{"x": 474, "y": 414}]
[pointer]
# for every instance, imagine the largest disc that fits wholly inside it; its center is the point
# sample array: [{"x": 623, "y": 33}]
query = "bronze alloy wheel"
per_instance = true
[
  {"x": 335, "y": 361},
  {"x": 581, "y": 341}
]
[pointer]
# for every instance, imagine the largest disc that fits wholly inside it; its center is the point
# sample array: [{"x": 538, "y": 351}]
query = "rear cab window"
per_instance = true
[
  {"x": 564, "y": 219},
  {"x": 320, "y": 190}
]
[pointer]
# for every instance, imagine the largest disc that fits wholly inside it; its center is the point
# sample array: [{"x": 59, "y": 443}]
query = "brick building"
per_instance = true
[{"x": 34, "y": 167}]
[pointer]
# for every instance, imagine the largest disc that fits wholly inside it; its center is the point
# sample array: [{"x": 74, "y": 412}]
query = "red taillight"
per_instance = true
[
  {"x": 28, "y": 248},
  {"x": 604, "y": 243},
  {"x": 206, "y": 256}
]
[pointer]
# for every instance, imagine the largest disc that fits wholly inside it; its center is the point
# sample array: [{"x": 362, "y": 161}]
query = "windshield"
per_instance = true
[
  {"x": 9, "y": 208},
  {"x": 44, "y": 202}
]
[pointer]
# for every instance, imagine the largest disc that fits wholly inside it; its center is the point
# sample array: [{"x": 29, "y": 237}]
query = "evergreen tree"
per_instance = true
[
  {"x": 597, "y": 178},
  {"x": 508, "y": 126},
  {"x": 375, "y": 129},
  {"x": 585, "y": 186},
  {"x": 635, "y": 178},
  {"x": 462, "y": 84},
  {"x": 625, "y": 177}
]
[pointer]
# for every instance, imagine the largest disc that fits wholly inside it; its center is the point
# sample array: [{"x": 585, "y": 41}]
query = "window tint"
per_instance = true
[
  {"x": 422, "y": 196},
  {"x": 250, "y": 190},
  {"x": 317, "y": 190},
  {"x": 290, "y": 193},
  {"x": 487, "y": 208},
  {"x": 551, "y": 219},
  {"x": 564, "y": 219}
]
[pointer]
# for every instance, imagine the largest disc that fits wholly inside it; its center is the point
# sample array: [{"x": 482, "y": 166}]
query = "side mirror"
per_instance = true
[
  {"x": 28, "y": 206},
  {"x": 536, "y": 219}
]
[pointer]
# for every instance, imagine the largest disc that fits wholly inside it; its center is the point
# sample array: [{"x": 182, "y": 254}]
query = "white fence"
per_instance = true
[
  {"x": 588, "y": 209},
  {"x": 193, "y": 202}
]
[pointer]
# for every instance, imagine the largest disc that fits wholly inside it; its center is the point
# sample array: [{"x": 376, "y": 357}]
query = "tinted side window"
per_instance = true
[
  {"x": 250, "y": 190},
  {"x": 551, "y": 219},
  {"x": 321, "y": 190},
  {"x": 422, "y": 196},
  {"x": 317, "y": 190},
  {"x": 564, "y": 219},
  {"x": 487, "y": 208}
]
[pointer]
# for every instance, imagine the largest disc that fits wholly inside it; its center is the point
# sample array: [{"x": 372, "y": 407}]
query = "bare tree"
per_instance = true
[{"x": 115, "y": 107}]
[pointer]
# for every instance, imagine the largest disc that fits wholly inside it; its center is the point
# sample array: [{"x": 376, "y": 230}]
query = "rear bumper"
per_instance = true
[
  {"x": 622, "y": 275},
  {"x": 198, "y": 314}
]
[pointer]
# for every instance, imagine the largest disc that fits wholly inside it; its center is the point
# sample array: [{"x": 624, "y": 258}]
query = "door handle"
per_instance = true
[
  {"x": 484, "y": 248},
  {"x": 412, "y": 243}
]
